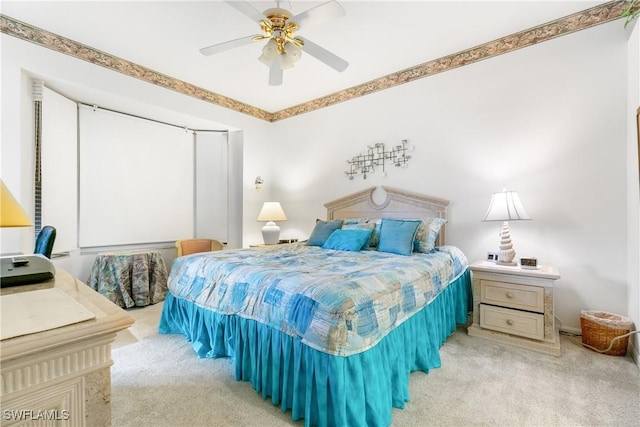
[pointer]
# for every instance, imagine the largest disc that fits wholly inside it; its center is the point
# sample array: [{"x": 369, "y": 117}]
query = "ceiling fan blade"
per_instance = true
[
  {"x": 221, "y": 47},
  {"x": 246, "y": 9},
  {"x": 323, "y": 55},
  {"x": 319, "y": 14},
  {"x": 275, "y": 72}
]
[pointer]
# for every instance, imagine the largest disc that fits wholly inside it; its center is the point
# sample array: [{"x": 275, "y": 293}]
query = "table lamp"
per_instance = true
[
  {"x": 506, "y": 206},
  {"x": 11, "y": 213},
  {"x": 271, "y": 211},
  {"x": 20, "y": 270}
]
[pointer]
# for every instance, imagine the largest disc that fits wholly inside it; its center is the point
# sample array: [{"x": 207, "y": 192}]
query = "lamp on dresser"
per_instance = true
[
  {"x": 19, "y": 270},
  {"x": 11, "y": 213},
  {"x": 271, "y": 212},
  {"x": 506, "y": 206}
]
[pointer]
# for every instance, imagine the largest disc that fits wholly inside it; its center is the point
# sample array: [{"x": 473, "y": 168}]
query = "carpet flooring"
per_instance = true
[{"x": 157, "y": 380}]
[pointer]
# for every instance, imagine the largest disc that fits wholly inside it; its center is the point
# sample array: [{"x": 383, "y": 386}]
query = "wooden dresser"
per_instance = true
[
  {"x": 515, "y": 306},
  {"x": 61, "y": 376}
]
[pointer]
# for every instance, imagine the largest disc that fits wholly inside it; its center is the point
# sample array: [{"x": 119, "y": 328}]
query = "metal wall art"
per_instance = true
[{"x": 377, "y": 158}]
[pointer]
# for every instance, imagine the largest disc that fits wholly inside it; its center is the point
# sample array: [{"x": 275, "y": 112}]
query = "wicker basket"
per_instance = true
[{"x": 599, "y": 328}]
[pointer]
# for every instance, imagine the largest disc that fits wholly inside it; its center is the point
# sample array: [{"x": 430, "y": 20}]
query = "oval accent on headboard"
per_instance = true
[{"x": 379, "y": 194}]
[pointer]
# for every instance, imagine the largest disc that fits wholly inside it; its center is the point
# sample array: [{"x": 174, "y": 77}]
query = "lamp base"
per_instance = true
[
  {"x": 506, "y": 253},
  {"x": 270, "y": 233}
]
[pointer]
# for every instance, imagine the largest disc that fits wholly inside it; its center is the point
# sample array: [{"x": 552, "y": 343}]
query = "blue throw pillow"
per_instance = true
[
  {"x": 396, "y": 235},
  {"x": 367, "y": 226},
  {"x": 322, "y": 231},
  {"x": 348, "y": 240}
]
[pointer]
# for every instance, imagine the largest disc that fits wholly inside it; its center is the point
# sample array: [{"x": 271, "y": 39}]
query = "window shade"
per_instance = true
[
  {"x": 136, "y": 180},
  {"x": 60, "y": 168}
]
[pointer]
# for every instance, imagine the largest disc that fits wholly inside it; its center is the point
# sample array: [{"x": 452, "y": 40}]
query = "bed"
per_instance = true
[{"x": 330, "y": 331}]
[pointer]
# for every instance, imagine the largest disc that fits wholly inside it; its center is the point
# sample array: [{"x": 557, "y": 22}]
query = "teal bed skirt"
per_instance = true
[{"x": 325, "y": 390}]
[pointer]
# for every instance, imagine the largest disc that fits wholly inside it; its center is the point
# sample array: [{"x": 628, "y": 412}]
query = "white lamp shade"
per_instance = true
[
  {"x": 269, "y": 52},
  {"x": 271, "y": 211},
  {"x": 506, "y": 206},
  {"x": 291, "y": 56}
]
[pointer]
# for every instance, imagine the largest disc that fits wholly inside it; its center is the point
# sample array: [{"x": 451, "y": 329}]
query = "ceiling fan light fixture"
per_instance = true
[
  {"x": 269, "y": 52},
  {"x": 277, "y": 15},
  {"x": 279, "y": 26},
  {"x": 291, "y": 55}
]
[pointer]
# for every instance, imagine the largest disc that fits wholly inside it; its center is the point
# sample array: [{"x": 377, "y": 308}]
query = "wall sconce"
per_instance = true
[
  {"x": 259, "y": 182},
  {"x": 377, "y": 157}
]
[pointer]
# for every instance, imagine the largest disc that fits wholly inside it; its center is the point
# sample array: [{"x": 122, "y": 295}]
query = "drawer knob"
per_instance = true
[
  {"x": 509, "y": 295},
  {"x": 509, "y": 322}
]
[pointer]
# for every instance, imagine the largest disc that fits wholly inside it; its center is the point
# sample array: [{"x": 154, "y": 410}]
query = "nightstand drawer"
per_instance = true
[
  {"x": 522, "y": 297},
  {"x": 522, "y": 323}
]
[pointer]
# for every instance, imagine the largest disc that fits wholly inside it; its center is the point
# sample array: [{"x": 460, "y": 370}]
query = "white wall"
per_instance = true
[
  {"x": 633, "y": 195},
  {"x": 548, "y": 121},
  {"x": 15, "y": 151}
]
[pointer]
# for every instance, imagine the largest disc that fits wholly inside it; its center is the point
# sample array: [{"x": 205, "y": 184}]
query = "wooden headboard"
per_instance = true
[{"x": 396, "y": 204}]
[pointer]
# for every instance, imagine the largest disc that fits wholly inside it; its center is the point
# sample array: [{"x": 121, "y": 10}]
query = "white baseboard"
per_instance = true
[
  {"x": 635, "y": 354},
  {"x": 573, "y": 331}
]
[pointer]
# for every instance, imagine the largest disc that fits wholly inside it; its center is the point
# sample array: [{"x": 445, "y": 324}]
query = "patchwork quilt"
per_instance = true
[{"x": 337, "y": 302}]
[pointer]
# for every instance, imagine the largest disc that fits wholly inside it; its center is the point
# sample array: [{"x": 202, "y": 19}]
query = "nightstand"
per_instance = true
[
  {"x": 280, "y": 242},
  {"x": 514, "y": 306}
]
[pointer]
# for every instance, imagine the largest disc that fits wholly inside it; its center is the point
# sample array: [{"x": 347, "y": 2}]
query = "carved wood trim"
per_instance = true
[{"x": 347, "y": 201}]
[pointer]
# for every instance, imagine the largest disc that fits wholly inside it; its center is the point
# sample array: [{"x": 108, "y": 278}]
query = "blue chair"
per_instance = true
[{"x": 45, "y": 240}]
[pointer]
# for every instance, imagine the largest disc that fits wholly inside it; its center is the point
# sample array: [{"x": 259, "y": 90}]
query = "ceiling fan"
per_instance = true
[{"x": 283, "y": 48}]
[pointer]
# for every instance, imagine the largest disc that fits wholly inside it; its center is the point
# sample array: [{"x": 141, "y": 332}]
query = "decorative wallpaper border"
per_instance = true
[
  {"x": 67, "y": 46},
  {"x": 578, "y": 21}
]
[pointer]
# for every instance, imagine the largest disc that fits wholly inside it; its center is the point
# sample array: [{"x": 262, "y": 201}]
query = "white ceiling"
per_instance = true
[{"x": 376, "y": 37}]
